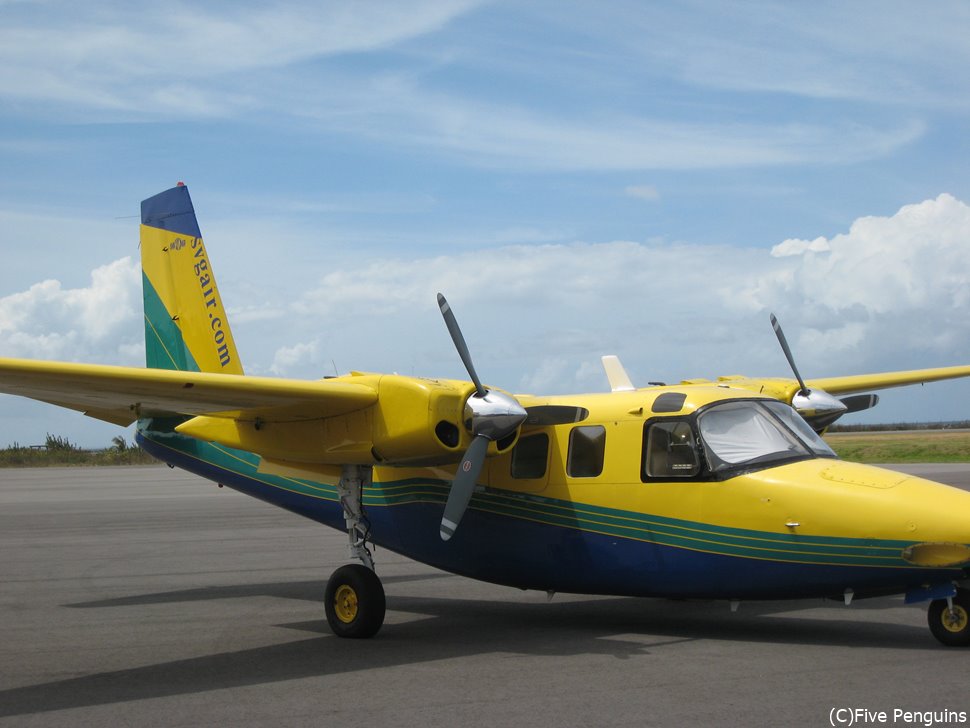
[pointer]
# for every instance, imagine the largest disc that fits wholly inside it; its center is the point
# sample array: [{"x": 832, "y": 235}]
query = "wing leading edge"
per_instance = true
[
  {"x": 869, "y": 382},
  {"x": 122, "y": 395}
]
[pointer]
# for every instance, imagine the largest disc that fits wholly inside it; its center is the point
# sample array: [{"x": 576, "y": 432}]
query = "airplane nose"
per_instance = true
[{"x": 937, "y": 520}]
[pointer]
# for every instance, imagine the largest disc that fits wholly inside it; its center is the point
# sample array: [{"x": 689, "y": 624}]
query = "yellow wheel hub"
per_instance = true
[
  {"x": 345, "y": 604},
  {"x": 954, "y": 620}
]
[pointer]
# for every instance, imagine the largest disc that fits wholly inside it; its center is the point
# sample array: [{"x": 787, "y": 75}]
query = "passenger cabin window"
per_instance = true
[
  {"x": 587, "y": 445},
  {"x": 670, "y": 451},
  {"x": 529, "y": 456}
]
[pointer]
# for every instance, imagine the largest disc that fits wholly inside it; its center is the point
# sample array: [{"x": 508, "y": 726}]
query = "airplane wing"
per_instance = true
[
  {"x": 818, "y": 404},
  {"x": 121, "y": 395},
  {"x": 869, "y": 382}
]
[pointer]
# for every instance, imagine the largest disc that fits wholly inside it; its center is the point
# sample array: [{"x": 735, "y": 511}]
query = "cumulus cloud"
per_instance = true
[
  {"x": 100, "y": 322},
  {"x": 794, "y": 246},
  {"x": 913, "y": 259},
  {"x": 287, "y": 358},
  {"x": 888, "y": 284}
]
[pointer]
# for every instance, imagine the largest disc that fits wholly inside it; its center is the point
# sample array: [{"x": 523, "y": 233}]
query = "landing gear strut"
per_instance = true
[
  {"x": 354, "y": 599},
  {"x": 949, "y": 619}
]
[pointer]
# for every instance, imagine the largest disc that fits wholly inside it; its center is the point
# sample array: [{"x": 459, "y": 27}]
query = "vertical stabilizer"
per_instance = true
[
  {"x": 616, "y": 374},
  {"x": 186, "y": 326}
]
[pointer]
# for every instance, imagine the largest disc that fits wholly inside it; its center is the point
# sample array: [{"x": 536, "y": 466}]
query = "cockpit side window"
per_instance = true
[
  {"x": 670, "y": 451},
  {"x": 727, "y": 438}
]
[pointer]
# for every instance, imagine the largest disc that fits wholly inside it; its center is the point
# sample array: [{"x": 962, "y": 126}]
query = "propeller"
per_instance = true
[
  {"x": 490, "y": 415},
  {"x": 819, "y": 408}
]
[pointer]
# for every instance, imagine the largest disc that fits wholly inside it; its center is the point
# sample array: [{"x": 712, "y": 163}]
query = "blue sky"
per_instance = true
[{"x": 579, "y": 179}]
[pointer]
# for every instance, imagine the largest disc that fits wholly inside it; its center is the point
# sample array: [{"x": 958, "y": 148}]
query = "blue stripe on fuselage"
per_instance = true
[{"x": 531, "y": 555}]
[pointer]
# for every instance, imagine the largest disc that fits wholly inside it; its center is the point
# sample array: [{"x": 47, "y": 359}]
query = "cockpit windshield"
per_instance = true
[{"x": 756, "y": 433}]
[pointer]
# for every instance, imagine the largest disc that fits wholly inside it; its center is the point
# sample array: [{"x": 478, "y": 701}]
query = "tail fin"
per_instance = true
[{"x": 186, "y": 327}]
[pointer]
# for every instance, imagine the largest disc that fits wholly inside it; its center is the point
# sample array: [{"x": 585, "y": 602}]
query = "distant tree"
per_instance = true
[
  {"x": 62, "y": 444},
  {"x": 121, "y": 445}
]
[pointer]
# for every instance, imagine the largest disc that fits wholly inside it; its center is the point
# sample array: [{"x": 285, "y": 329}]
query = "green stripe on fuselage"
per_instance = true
[{"x": 645, "y": 527}]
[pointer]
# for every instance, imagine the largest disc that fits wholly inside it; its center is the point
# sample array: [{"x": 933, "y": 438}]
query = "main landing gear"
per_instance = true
[
  {"x": 950, "y": 619},
  {"x": 354, "y": 599},
  {"x": 355, "y": 602}
]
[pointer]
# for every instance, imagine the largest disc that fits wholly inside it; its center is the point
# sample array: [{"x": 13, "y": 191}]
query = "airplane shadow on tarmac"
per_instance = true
[{"x": 447, "y": 628}]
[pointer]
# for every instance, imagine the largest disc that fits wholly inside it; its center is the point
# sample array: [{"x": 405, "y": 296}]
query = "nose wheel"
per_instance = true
[
  {"x": 355, "y": 602},
  {"x": 949, "y": 619}
]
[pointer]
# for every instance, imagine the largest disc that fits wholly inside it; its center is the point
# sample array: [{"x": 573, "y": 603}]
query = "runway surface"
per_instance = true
[{"x": 150, "y": 597}]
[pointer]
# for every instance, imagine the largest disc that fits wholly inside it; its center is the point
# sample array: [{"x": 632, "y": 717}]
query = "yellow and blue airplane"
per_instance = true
[{"x": 703, "y": 489}]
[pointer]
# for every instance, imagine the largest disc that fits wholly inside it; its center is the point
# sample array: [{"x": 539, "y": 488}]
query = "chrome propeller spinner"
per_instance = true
[{"x": 489, "y": 415}]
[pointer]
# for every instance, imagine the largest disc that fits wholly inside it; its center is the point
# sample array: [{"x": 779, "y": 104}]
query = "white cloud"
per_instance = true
[
  {"x": 99, "y": 323},
  {"x": 506, "y": 136},
  {"x": 549, "y": 370},
  {"x": 300, "y": 355},
  {"x": 889, "y": 285},
  {"x": 148, "y": 58},
  {"x": 647, "y": 193},
  {"x": 573, "y": 276},
  {"x": 794, "y": 246},
  {"x": 876, "y": 51}
]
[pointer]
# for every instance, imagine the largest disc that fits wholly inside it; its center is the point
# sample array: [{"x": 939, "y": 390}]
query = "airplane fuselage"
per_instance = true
[{"x": 579, "y": 509}]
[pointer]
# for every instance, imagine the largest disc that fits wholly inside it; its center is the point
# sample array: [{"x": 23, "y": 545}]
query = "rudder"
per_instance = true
[{"x": 186, "y": 326}]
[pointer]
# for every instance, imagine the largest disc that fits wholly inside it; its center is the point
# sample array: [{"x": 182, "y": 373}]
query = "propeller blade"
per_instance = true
[
  {"x": 466, "y": 358},
  {"x": 463, "y": 486},
  {"x": 791, "y": 360},
  {"x": 859, "y": 402},
  {"x": 555, "y": 414},
  {"x": 488, "y": 415}
]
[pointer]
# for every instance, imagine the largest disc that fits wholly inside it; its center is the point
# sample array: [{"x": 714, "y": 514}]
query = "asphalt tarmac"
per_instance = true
[{"x": 149, "y": 597}]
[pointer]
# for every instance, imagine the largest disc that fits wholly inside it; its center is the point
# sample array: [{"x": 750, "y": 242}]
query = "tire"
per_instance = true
[
  {"x": 953, "y": 630},
  {"x": 354, "y": 602}
]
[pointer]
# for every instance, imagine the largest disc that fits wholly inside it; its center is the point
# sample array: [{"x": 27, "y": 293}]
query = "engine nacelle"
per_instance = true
[{"x": 414, "y": 422}]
